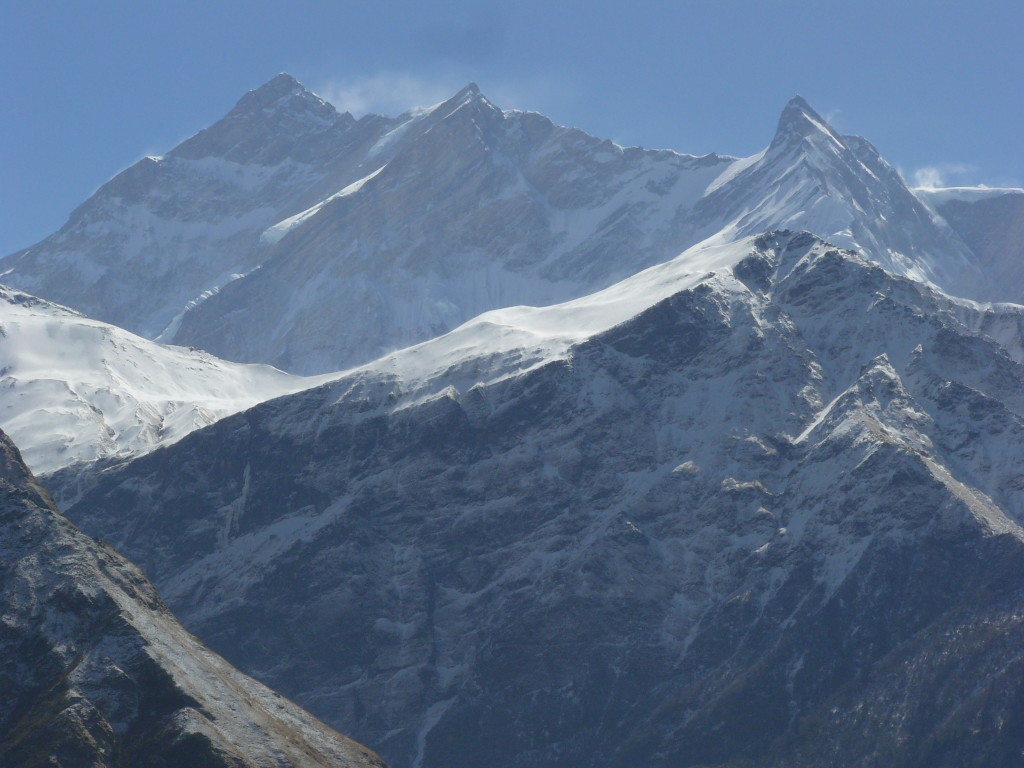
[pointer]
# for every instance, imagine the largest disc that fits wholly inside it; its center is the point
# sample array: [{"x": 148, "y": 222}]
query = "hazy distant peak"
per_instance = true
[
  {"x": 279, "y": 119},
  {"x": 798, "y": 121},
  {"x": 470, "y": 90},
  {"x": 468, "y": 95},
  {"x": 281, "y": 91},
  {"x": 279, "y": 83},
  {"x": 799, "y": 103}
]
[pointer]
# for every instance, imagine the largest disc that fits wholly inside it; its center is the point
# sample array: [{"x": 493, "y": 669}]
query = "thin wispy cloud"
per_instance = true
[
  {"x": 943, "y": 175},
  {"x": 387, "y": 93},
  {"x": 392, "y": 93}
]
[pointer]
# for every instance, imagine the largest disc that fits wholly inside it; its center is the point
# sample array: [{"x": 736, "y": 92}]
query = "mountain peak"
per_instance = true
[
  {"x": 280, "y": 81},
  {"x": 468, "y": 94},
  {"x": 280, "y": 118},
  {"x": 798, "y": 121},
  {"x": 798, "y": 102},
  {"x": 280, "y": 89}
]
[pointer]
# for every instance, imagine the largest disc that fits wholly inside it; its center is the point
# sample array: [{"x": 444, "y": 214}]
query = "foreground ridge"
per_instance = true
[{"x": 95, "y": 671}]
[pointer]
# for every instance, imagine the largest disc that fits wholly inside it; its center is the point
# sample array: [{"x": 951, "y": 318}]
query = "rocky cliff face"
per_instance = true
[
  {"x": 94, "y": 670},
  {"x": 772, "y": 517}
]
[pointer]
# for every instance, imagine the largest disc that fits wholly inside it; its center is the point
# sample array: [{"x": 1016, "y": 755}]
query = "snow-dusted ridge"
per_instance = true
[
  {"x": 767, "y": 467},
  {"x": 74, "y": 389},
  {"x": 512, "y": 340},
  {"x": 523, "y": 337},
  {"x": 273, "y": 234}
]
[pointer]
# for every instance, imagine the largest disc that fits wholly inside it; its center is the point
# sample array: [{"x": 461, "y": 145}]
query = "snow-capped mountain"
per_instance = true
[
  {"x": 760, "y": 505},
  {"x": 477, "y": 209},
  {"x": 168, "y": 231},
  {"x": 838, "y": 187},
  {"x": 641, "y": 485},
  {"x": 75, "y": 390},
  {"x": 289, "y": 234},
  {"x": 96, "y": 672}
]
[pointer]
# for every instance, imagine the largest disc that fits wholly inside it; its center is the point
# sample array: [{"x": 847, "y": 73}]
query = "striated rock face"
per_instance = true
[
  {"x": 95, "y": 671},
  {"x": 289, "y": 234},
  {"x": 771, "y": 517}
]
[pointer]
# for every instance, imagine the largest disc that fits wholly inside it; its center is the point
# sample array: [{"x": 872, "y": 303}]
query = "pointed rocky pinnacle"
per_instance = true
[
  {"x": 468, "y": 94},
  {"x": 279, "y": 89},
  {"x": 278, "y": 86},
  {"x": 799, "y": 120},
  {"x": 470, "y": 89}
]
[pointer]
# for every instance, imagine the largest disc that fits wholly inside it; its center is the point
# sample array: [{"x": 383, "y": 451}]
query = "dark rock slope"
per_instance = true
[
  {"x": 772, "y": 520},
  {"x": 95, "y": 671}
]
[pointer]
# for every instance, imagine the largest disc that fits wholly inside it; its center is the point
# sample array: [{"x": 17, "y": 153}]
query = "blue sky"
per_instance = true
[{"x": 89, "y": 88}]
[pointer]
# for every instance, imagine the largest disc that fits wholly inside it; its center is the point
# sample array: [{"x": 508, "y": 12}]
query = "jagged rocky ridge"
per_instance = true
[
  {"x": 772, "y": 518},
  {"x": 289, "y": 234},
  {"x": 95, "y": 671}
]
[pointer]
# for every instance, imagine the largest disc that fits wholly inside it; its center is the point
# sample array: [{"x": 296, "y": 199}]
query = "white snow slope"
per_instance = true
[
  {"x": 73, "y": 389},
  {"x": 513, "y": 340}
]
